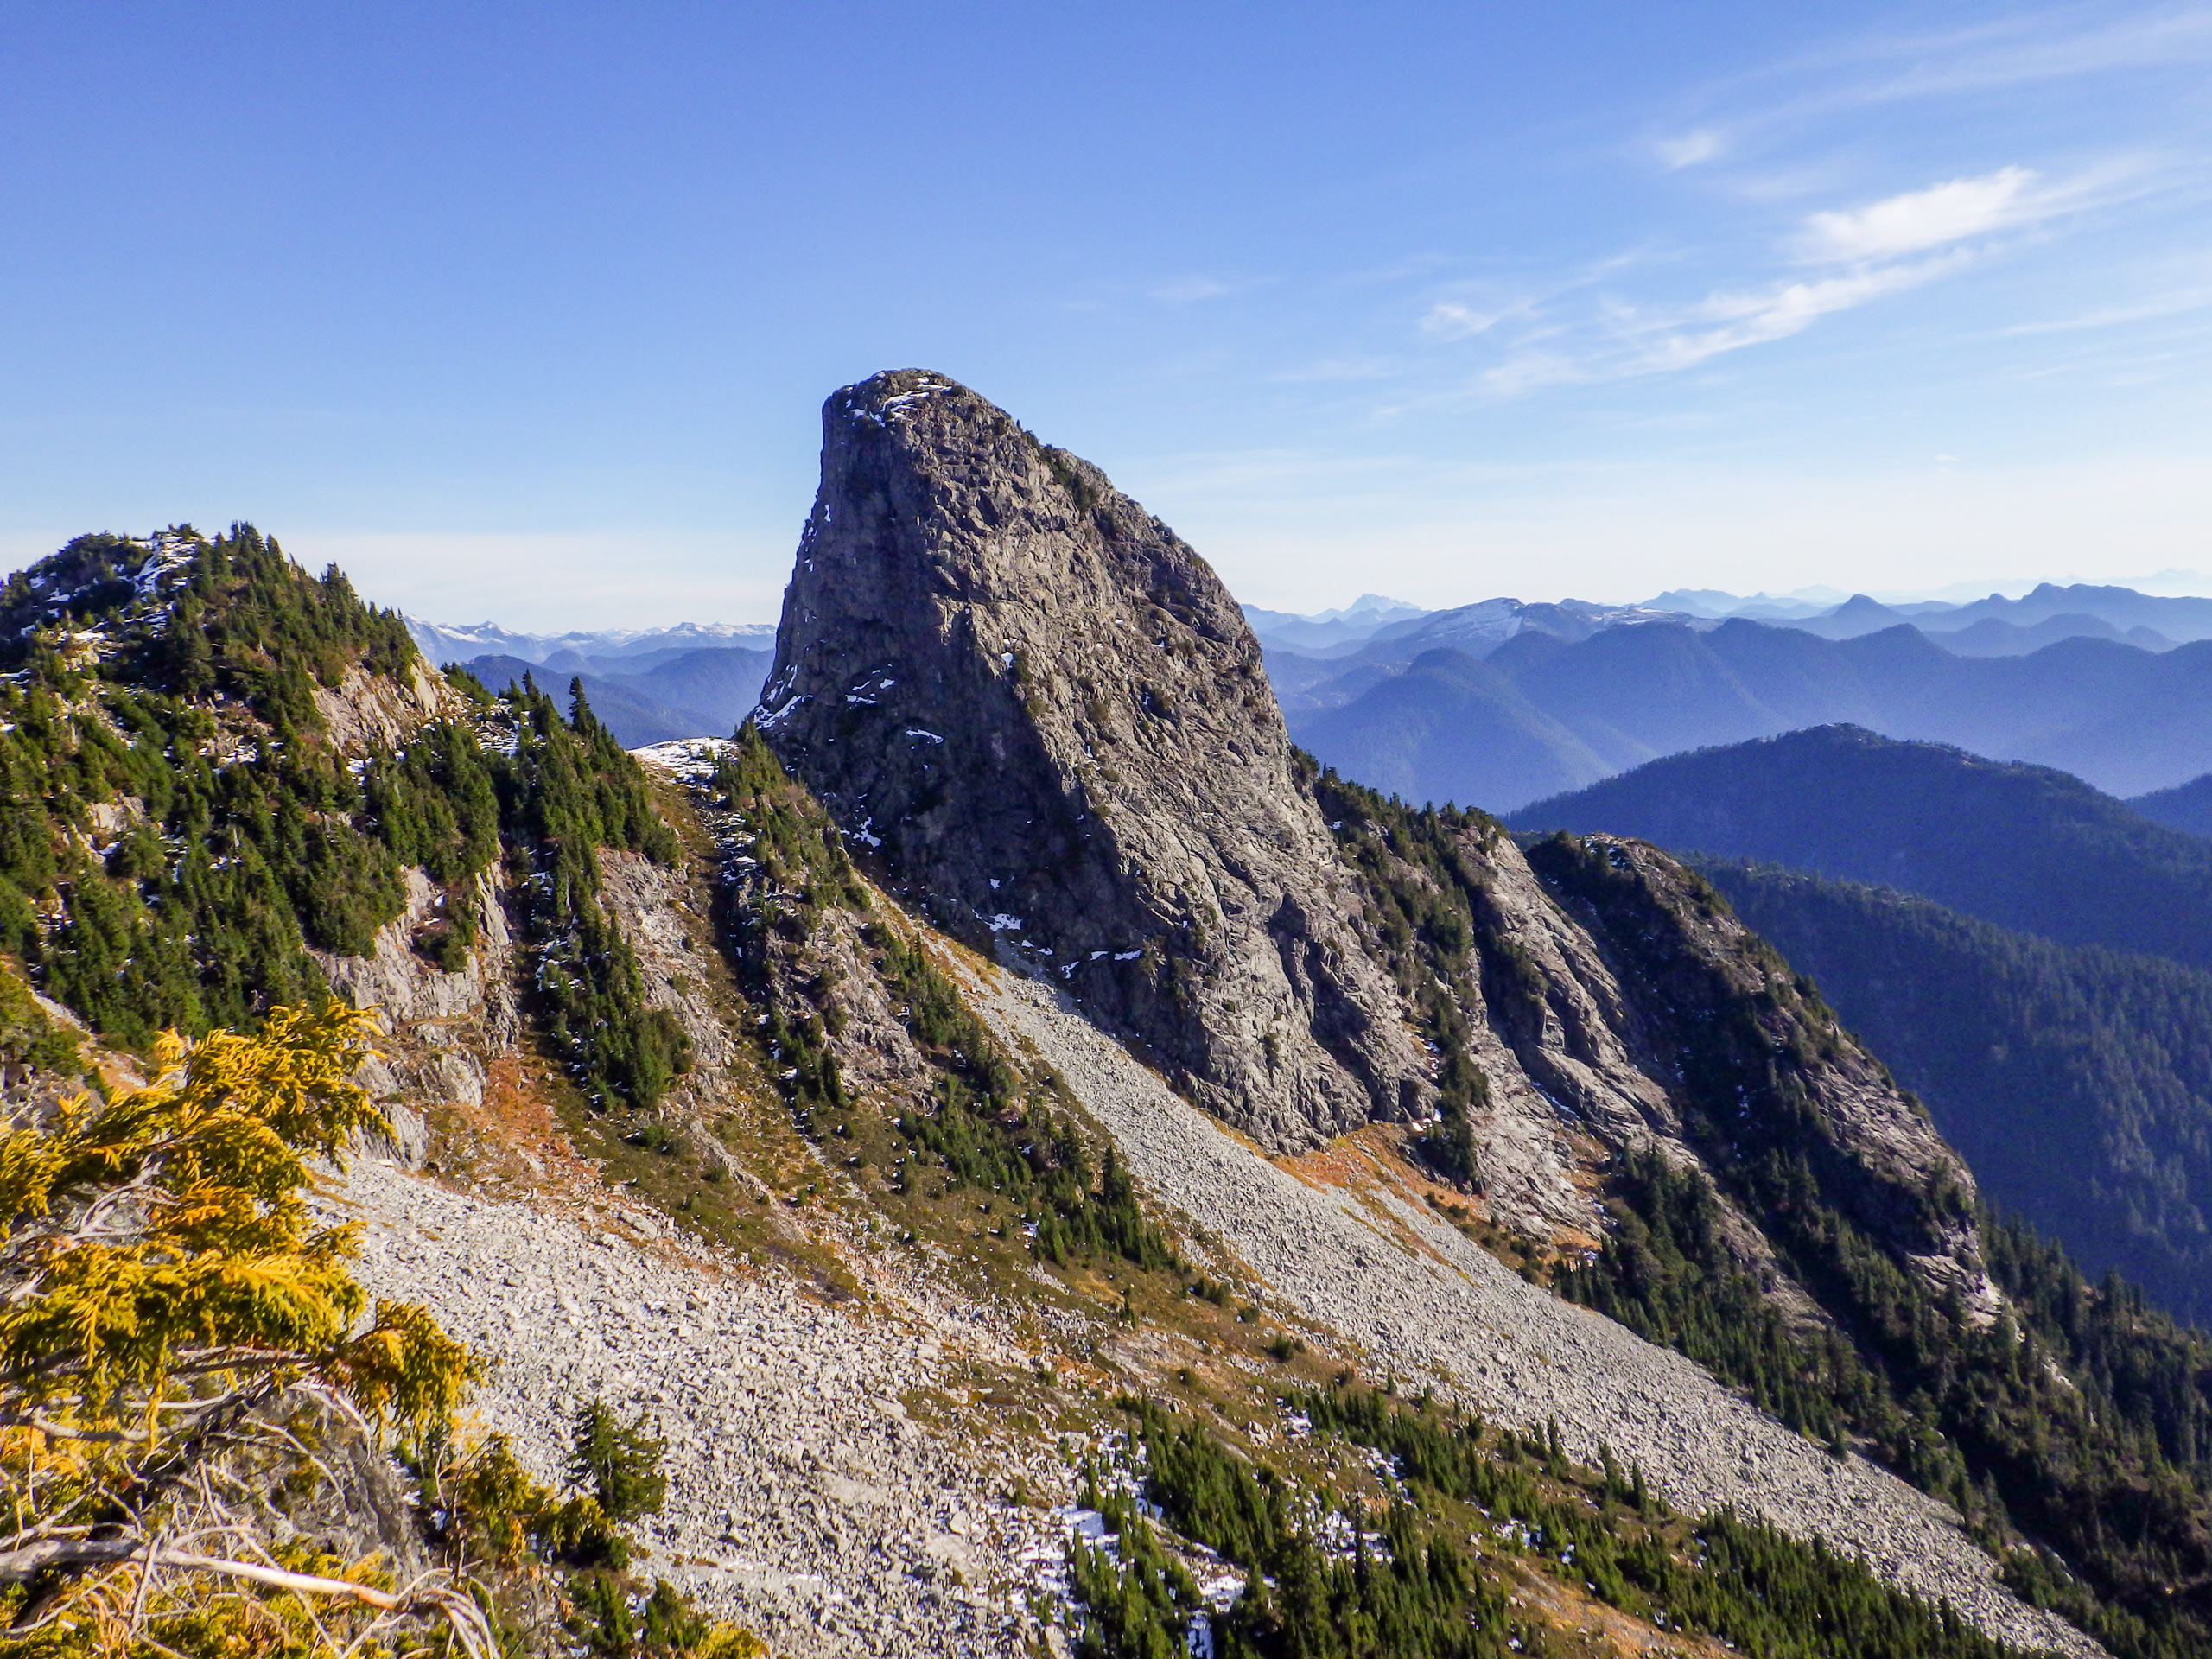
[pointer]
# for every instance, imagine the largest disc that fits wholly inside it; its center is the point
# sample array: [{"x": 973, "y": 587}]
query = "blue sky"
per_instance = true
[{"x": 527, "y": 312}]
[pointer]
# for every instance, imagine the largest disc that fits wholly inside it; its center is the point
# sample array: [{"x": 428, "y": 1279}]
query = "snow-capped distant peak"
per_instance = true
[{"x": 444, "y": 642}]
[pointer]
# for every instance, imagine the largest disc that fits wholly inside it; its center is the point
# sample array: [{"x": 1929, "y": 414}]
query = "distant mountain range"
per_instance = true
[
  {"x": 1991, "y": 625},
  {"x": 655, "y": 696},
  {"x": 1476, "y": 705},
  {"x": 1542, "y": 712},
  {"x": 648, "y": 685},
  {"x": 443, "y": 643}
]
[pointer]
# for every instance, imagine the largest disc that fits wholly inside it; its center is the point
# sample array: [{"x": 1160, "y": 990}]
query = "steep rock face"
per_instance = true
[
  {"x": 1761, "y": 1074},
  {"x": 1611, "y": 1003},
  {"x": 1047, "y": 716}
]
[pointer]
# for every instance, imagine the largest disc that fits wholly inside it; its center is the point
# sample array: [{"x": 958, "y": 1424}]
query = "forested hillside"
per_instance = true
[
  {"x": 214, "y": 766},
  {"x": 2023, "y": 847},
  {"x": 2077, "y": 1407},
  {"x": 2185, "y": 806},
  {"x": 2077, "y": 1080}
]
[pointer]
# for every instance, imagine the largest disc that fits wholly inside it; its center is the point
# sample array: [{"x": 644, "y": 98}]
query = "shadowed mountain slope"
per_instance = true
[
  {"x": 2185, "y": 806},
  {"x": 2076, "y": 1081},
  {"x": 2024, "y": 846}
]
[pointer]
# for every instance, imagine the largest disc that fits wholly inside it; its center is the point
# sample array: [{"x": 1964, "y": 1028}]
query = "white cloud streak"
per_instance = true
[
  {"x": 1689, "y": 148},
  {"x": 1935, "y": 217},
  {"x": 1875, "y": 251},
  {"x": 2028, "y": 49},
  {"x": 1777, "y": 312},
  {"x": 1185, "y": 290},
  {"x": 1647, "y": 341},
  {"x": 1451, "y": 320}
]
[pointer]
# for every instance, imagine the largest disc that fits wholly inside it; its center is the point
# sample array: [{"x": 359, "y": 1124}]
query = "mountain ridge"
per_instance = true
[
  {"x": 694, "y": 1000},
  {"x": 2127, "y": 719},
  {"x": 2025, "y": 846}
]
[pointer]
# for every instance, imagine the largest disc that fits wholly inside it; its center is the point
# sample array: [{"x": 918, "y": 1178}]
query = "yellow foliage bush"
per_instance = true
[{"x": 164, "y": 1279}]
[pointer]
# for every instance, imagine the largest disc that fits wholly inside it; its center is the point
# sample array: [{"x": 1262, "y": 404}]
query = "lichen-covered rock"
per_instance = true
[{"x": 1046, "y": 716}]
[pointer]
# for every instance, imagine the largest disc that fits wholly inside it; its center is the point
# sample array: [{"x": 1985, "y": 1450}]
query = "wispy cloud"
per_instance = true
[
  {"x": 1632, "y": 340},
  {"x": 1730, "y": 321},
  {"x": 1749, "y": 113},
  {"x": 2174, "y": 303},
  {"x": 1689, "y": 148},
  {"x": 1955, "y": 211},
  {"x": 1918, "y": 220},
  {"x": 1452, "y": 320},
  {"x": 1185, "y": 290},
  {"x": 2061, "y": 44},
  {"x": 1874, "y": 251}
]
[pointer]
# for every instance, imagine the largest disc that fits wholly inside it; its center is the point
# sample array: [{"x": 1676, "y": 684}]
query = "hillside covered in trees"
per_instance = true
[
  {"x": 2077, "y": 1080},
  {"x": 2025, "y": 846},
  {"x": 213, "y": 765}
]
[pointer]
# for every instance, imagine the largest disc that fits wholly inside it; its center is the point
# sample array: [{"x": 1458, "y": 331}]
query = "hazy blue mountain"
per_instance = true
[
  {"x": 1446, "y": 717},
  {"x": 2026, "y": 848},
  {"x": 2051, "y": 610},
  {"x": 1482, "y": 628},
  {"x": 1327, "y": 631},
  {"x": 635, "y": 719},
  {"x": 442, "y": 643},
  {"x": 2182, "y": 618},
  {"x": 2076, "y": 1081},
  {"x": 698, "y": 693},
  {"x": 2128, "y": 720},
  {"x": 1856, "y": 615},
  {"x": 1717, "y": 604},
  {"x": 1992, "y": 636},
  {"x": 721, "y": 683},
  {"x": 2185, "y": 806}
]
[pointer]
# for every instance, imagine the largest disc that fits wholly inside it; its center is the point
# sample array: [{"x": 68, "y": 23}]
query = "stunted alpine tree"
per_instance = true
[{"x": 167, "y": 1297}]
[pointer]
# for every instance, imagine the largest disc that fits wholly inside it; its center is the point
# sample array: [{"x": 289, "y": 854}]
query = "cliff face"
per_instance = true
[
  {"x": 1759, "y": 1072},
  {"x": 1047, "y": 716}
]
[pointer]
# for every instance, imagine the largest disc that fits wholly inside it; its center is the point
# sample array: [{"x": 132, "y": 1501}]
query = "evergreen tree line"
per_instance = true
[
  {"x": 244, "y": 836},
  {"x": 2079, "y": 1432},
  {"x": 2090, "y": 1442},
  {"x": 989, "y": 1127},
  {"x": 1425, "y": 899},
  {"x": 791, "y": 867},
  {"x": 567, "y": 790},
  {"x": 186, "y": 715},
  {"x": 1329, "y": 1576},
  {"x": 2076, "y": 1081}
]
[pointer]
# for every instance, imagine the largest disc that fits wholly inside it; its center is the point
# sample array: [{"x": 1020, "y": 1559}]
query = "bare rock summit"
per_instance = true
[{"x": 1047, "y": 717}]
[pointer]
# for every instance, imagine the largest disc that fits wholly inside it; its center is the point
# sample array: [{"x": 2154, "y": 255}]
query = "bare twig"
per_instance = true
[{"x": 420, "y": 1600}]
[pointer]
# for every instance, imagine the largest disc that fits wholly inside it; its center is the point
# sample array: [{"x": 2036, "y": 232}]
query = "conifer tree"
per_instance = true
[{"x": 165, "y": 1292}]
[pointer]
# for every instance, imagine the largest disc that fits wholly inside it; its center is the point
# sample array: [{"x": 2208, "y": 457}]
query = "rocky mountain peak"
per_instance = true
[{"x": 1047, "y": 717}]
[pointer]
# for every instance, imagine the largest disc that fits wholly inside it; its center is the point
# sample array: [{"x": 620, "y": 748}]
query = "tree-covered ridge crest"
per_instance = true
[{"x": 185, "y": 839}]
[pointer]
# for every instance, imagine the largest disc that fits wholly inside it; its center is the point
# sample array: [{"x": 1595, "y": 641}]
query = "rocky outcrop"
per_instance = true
[
  {"x": 1756, "y": 1065},
  {"x": 438, "y": 1031},
  {"x": 368, "y": 711},
  {"x": 1045, "y": 716}
]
